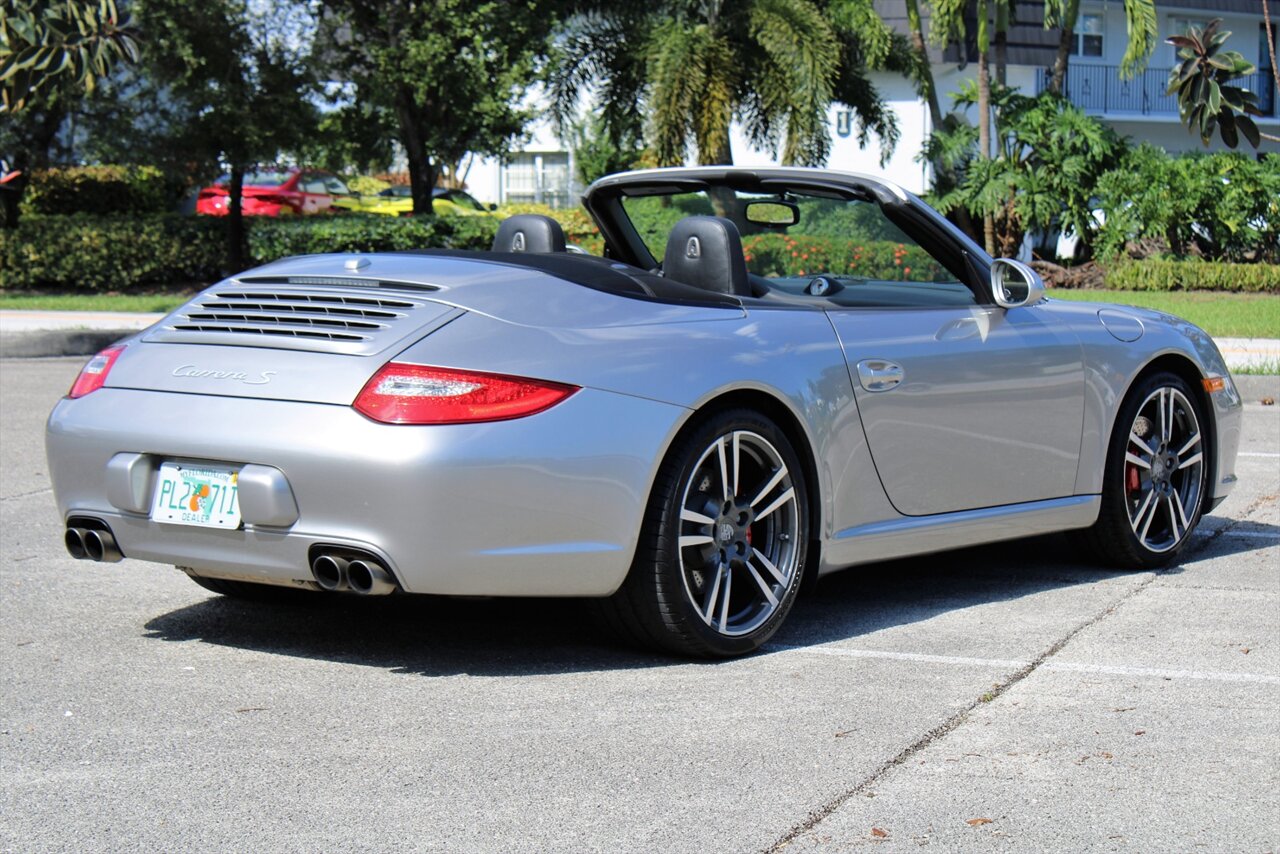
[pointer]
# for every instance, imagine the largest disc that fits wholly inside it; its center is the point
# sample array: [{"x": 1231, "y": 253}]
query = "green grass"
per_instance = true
[
  {"x": 93, "y": 302},
  {"x": 1221, "y": 315}
]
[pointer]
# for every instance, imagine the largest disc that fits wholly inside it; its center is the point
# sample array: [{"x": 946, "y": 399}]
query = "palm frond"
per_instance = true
[
  {"x": 794, "y": 78},
  {"x": 1144, "y": 31}
]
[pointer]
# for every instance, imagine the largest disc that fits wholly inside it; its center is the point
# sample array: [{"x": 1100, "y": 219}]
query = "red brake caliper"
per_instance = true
[{"x": 1131, "y": 481}]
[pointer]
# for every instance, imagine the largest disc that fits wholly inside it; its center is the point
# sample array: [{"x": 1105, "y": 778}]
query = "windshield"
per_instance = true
[{"x": 791, "y": 240}]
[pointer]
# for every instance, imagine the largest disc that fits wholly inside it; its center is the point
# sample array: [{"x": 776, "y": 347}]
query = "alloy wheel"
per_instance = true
[{"x": 739, "y": 543}]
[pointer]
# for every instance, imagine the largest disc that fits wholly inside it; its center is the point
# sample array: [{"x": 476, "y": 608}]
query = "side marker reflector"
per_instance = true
[{"x": 1212, "y": 384}]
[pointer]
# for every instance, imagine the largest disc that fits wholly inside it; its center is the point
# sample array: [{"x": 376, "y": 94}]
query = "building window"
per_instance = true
[
  {"x": 1087, "y": 37},
  {"x": 537, "y": 178}
]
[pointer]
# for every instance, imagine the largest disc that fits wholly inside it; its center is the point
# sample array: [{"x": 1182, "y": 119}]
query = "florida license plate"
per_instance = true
[{"x": 197, "y": 495}]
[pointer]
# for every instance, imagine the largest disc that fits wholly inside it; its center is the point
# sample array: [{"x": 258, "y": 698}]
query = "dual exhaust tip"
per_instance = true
[
  {"x": 92, "y": 544},
  {"x": 359, "y": 574}
]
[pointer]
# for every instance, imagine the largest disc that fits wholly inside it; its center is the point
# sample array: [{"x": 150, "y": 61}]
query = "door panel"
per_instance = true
[{"x": 987, "y": 409}]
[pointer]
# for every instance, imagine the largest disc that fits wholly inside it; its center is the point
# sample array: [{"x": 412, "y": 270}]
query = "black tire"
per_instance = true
[
  {"x": 1154, "y": 487},
  {"x": 252, "y": 592},
  {"x": 757, "y": 540}
]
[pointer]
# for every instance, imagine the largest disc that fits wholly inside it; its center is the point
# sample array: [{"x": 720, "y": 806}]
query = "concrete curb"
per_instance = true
[
  {"x": 1254, "y": 387},
  {"x": 43, "y": 343}
]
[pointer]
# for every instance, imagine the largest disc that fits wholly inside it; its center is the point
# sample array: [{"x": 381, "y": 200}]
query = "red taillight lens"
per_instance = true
[
  {"x": 93, "y": 375},
  {"x": 417, "y": 394}
]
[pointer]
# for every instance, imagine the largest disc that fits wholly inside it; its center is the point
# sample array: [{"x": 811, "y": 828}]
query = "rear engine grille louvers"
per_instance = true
[
  {"x": 321, "y": 316},
  {"x": 293, "y": 314}
]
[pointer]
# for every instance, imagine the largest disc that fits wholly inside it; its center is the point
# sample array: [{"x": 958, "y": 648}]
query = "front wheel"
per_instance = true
[
  {"x": 1154, "y": 486},
  {"x": 723, "y": 544}
]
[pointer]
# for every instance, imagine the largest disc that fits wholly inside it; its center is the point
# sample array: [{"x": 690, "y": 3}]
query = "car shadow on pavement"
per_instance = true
[{"x": 443, "y": 636}]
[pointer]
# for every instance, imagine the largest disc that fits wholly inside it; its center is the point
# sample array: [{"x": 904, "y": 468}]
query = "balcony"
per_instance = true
[{"x": 1100, "y": 90}]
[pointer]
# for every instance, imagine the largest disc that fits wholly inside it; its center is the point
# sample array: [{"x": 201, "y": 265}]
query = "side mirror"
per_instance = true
[
  {"x": 492, "y": 206},
  {"x": 1014, "y": 284}
]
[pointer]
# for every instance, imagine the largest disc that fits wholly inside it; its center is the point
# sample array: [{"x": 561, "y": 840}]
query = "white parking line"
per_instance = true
[
  {"x": 1257, "y": 454},
  {"x": 1120, "y": 670},
  {"x": 1059, "y": 666},
  {"x": 1266, "y": 535}
]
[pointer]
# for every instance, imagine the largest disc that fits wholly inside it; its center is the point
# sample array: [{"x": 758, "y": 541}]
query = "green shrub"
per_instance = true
[
  {"x": 100, "y": 190},
  {"x": 107, "y": 253},
  {"x": 1225, "y": 204},
  {"x": 271, "y": 238},
  {"x": 112, "y": 253},
  {"x": 1156, "y": 274},
  {"x": 782, "y": 255}
]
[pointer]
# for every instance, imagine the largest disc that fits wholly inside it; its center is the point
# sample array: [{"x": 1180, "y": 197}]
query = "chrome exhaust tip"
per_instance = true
[
  {"x": 330, "y": 572},
  {"x": 74, "y": 540},
  {"x": 369, "y": 578},
  {"x": 101, "y": 546}
]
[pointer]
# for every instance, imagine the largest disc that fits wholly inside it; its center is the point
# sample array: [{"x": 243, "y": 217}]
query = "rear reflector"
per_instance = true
[
  {"x": 416, "y": 394},
  {"x": 94, "y": 374}
]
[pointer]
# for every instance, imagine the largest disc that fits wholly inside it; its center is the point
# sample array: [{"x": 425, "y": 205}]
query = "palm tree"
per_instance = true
[
  {"x": 693, "y": 66},
  {"x": 1140, "y": 22}
]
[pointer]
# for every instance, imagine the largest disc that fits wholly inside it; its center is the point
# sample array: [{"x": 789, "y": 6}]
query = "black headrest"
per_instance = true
[
  {"x": 529, "y": 233},
  {"x": 706, "y": 252}
]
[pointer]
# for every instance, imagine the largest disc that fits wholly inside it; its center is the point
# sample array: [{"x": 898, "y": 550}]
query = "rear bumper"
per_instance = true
[{"x": 549, "y": 505}]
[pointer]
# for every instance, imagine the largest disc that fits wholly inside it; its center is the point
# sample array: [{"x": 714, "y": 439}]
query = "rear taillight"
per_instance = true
[
  {"x": 94, "y": 374},
  {"x": 417, "y": 394}
]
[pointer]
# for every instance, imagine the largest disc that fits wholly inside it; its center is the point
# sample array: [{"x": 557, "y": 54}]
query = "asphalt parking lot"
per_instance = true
[{"x": 1003, "y": 698}]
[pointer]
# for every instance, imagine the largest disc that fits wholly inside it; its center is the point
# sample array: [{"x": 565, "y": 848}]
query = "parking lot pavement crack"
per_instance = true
[
  {"x": 47, "y": 489},
  {"x": 817, "y": 816}
]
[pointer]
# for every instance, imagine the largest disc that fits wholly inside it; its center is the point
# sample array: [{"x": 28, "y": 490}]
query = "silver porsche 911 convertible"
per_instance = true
[{"x": 765, "y": 376}]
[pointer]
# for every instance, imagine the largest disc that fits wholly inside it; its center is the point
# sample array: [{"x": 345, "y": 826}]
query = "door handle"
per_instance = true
[{"x": 879, "y": 375}]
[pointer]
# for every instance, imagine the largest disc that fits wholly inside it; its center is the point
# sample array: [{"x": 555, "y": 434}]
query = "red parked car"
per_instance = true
[{"x": 275, "y": 193}]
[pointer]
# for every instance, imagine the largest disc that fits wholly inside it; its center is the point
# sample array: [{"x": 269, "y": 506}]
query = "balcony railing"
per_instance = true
[{"x": 1100, "y": 89}]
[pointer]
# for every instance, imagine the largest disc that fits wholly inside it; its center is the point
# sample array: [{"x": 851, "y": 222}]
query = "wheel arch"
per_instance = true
[{"x": 777, "y": 411}]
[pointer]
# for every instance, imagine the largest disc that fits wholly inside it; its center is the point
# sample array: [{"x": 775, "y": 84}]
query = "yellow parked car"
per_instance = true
[{"x": 398, "y": 201}]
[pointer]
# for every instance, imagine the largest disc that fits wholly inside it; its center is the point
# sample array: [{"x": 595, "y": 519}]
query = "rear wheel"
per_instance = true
[
  {"x": 1154, "y": 487},
  {"x": 723, "y": 544}
]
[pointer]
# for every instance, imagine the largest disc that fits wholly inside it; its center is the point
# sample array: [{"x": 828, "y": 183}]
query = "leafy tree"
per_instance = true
[
  {"x": 51, "y": 54},
  {"x": 239, "y": 85},
  {"x": 1049, "y": 156},
  {"x": 595, "y": 154},
  {"x": 1206, "y": 101},
  {"x": 449, "y": 76},
  {"x": 775, "y": 65},
  {"x": 42, "y": 41}
]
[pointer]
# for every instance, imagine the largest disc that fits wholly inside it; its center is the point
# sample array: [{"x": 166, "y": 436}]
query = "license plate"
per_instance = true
[{"x": 200, "y": 495}]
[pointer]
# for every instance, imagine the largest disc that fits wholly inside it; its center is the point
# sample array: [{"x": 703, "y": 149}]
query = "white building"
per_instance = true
[{"x": 1137, "y": 108}]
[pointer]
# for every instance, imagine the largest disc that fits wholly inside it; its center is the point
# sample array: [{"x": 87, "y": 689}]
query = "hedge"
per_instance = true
[
  {"x": 781, "y": 255},
  {"x": 115, "y": 253},
  {"x": 1157, "y": 274},
  {"x": 100, "y": 190},
  {"x": 112, "y": 253},
  {"x": 98, "y": 253}
]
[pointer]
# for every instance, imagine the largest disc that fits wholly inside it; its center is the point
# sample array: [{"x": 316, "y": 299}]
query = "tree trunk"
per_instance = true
[
  {"x": 928, "y": 90},
  {"x": 422, "y": 177},
  {"x": 1066, "y": 39},
  {"x": 984, "y": 140},
  {"x": 722, "y": 198},
  {"x": 235, "y": 220},
  {"x": 1002, "y": 40}
]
